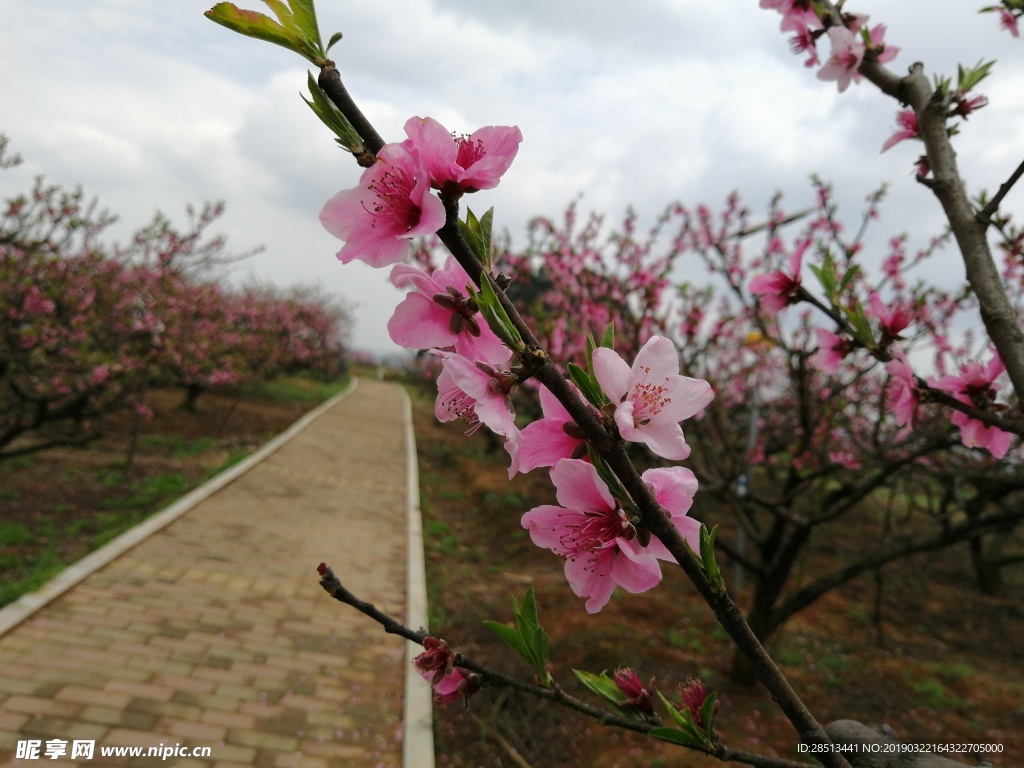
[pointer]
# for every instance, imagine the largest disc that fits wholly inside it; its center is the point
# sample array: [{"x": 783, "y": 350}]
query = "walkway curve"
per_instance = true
[{"x": 208, "y": 628}]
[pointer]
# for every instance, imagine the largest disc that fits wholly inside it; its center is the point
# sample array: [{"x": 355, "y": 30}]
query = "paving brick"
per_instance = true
[
  {"x": 63, "y": 728},
  {"x": 182, "y": 683},
  {"x": 229, "y": 719},
  {"x": 166, "y": 708},
  {"x": 115, "y": 716},
  {"x": 261, "y": 740},
  {"x": 144, "y": 690},
  {"x": 93, "y": 696},
  {"x": 12, "y": 721},
  {"x": 205, "y": 732},
  {"x": 32, "y": 705}
]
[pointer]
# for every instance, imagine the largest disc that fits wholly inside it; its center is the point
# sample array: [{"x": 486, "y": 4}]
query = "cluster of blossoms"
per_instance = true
[
  {"x": 601, "y": 537},
  {"x": 851, "y": 41},
  {"x": 975, "y": 386}
]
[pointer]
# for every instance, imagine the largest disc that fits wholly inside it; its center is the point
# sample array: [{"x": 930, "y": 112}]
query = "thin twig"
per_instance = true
[
  {"x": 985, "y": 214},
  {"x": 332, "y": 584}
]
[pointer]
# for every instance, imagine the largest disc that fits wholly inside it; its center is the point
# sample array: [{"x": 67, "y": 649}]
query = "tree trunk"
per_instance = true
[
  {"x": 986, "y": 570},
  {"x": 192, "y": 393}
]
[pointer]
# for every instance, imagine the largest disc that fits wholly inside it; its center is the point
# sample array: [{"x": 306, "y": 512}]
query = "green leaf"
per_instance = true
[
  {"x": 494, "y": 314},
  {"x": 333, "y": 118},
  {"x": 707, "y": 711},
  {"x": 591, "y": 345},
  {"x": 851, "y": 273},
  {"x": 682, "y": 718},
  {"x": 608, "y": 339},
  {"x": 334, "y": 39},
  {"x": 296, "y": 28},
  {"x": 477, "y": 232},
  {"x": 707, "y": 556},
  {"x": 601, "y": 684},
  {"x": 511, "y": 638},
  {"x": 526, "y": 617},
  {"x": 486, "y": 225},
  {"x": 586, "y": 385},
  {"x": 676, "y": 737},
  {"x": 967, "y": 79}
]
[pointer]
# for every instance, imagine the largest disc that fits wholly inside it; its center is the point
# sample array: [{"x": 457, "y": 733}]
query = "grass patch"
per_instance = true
[
  {"x": 12, "y": 534},
  {"x": 295, "y": 389}
]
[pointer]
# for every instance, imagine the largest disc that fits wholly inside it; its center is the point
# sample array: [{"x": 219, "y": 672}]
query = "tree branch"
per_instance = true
[
  {"x": 333, "y": 586},
  {"x": 985, "y": 214}
]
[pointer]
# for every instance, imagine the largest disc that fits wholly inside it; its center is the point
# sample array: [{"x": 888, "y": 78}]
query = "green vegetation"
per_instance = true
[
  {"x": 101, "y": 498},
  {"x": 295, "y": 389}
]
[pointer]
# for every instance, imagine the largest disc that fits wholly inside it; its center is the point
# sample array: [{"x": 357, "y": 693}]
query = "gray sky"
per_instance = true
[{"x": 149, "y": 106}]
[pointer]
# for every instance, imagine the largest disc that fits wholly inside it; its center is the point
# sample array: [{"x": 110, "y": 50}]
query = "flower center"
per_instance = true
[
  {"x": 461, "y": 406},
  {"x": 469, "y": 151},
  {"x": 596, "y": 534},
  {"x": 394, "y": 199},
  {"x": 648, "y": 400}
]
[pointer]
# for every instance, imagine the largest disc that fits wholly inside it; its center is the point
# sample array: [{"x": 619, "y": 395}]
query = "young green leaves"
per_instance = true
[
  {"x": 527, "y": 638},
  {"x": 295, "y": 29},
  {"x": 332, "y": 117}
]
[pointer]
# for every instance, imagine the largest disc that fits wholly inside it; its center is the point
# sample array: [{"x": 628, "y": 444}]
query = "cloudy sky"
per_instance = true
[{"x": 150, "y": 106}]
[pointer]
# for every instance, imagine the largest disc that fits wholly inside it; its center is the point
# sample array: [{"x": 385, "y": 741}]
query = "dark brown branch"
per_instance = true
[
  {"x": 985, "y": 214},
  {"x": 897, "y": 546},
  {"x": 330, "y": 81},
  {"x": 333, "y": 586}
]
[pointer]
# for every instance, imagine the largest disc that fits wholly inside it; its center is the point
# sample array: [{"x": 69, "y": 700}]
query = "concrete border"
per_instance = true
[
  {"x": 15, "y": 613},
  {"x": 418, "y": 731}
]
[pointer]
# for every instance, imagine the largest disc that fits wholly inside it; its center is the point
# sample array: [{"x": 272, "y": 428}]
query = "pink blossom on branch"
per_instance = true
[
  {"x": 1008, "y": 21},
  {"x": 906, "y": 389},
  {"x": 976, "y": 386},
  {"x": 892, "y": 320},
  {"x": 440, "y": 313},
  {"x": 637, "y": 697},
  {"x": 780, "y": 289},
  {"x": 546, "y": 441},
  {"x": 831, "y": 351},
  {"x": 848, "y": 52},
  {"x": 651, "y": 398},
  {"x": 909, "y": 129},
  {"x": 599, "y": 539},
  {"x": 847, "y": 55},
  {"x": 391, "y": 205},
  {"x": 464, "y": 163},
  {"x": 477, "y": 393}
]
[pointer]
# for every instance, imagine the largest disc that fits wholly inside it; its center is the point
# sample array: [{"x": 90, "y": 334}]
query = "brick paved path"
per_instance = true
[{"x": 214, "y": 632}]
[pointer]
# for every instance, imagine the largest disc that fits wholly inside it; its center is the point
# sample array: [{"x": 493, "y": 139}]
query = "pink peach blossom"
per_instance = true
[
  {"x": 906, "y": 388},
  {"x": 976, "y": 386},
  {"x": 546, "y": 441},
  {"x": 391, "y": 205},
  {"x": 831, "y": 351},
  {"x": 909, "y": 129},
  {"x": 847, "y": 55},
  {"x": 440, "y": 313},
  {"x": 779, "y": 289},
  {"x": 465, "y": 163},
  {"x": 599, "y": 539},
  {"x": 651, "y": 398},
  {"x": 475, "y": 392}
]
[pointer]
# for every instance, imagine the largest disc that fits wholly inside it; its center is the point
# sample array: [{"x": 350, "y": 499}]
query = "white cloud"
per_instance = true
[{"x": 149, "y": 105}]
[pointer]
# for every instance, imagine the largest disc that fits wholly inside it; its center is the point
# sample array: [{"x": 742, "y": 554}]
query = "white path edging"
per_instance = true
[
  {"x": 418, "y": 730},
  {"x": 15, "y": 613}
]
